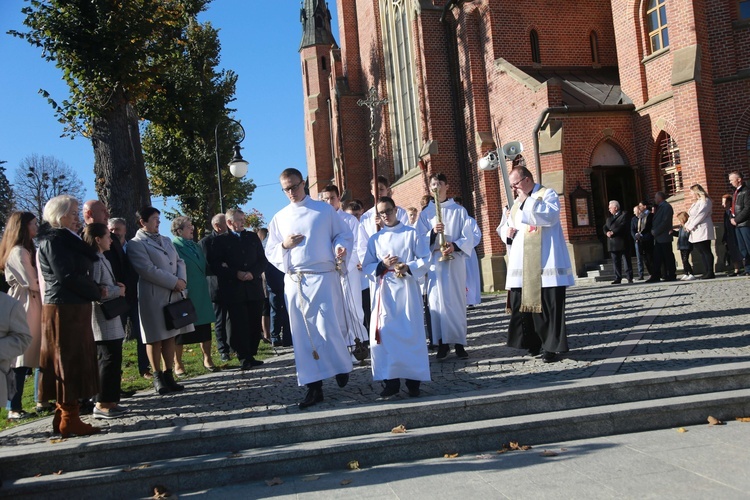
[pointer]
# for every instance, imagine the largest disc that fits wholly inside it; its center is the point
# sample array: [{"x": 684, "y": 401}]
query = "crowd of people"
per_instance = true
[{"x": 324, "y": 278}]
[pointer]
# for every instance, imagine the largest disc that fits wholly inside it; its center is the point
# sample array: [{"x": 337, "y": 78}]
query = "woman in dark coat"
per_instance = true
[{"x": 68, "y": 365}]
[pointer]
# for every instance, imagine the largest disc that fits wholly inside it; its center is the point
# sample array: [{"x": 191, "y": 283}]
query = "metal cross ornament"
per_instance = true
[{"x": 373, "y": 103}]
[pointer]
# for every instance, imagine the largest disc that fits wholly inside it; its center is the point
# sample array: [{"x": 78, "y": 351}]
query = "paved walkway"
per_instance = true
[
  {"x": 612, "y": 330},
  {"x": 704, "y": 462}
]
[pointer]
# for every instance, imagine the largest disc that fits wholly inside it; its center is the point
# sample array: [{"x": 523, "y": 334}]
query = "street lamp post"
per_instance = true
[
  {"x": 373, "y": 103},
  {"x": 237, "y": 166}
]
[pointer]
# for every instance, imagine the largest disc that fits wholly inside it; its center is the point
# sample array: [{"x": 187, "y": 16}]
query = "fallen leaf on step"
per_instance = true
[
  {"x": 399, "y": 429},
  {"x": 344, "y": 482},
  {"x": 714, "y": 421},
  {"x": 161, "y": 491},
  {"x": 234, "y": 455},
  {"x": 353, "y": 465},
  {"x": 137, "y": 467},
  {"x": 484, "y": 455},
  {"x": 58, "y": 472},
  {"x": 274, "y": 482},
  {"x": 38, "y": 475},
  {"x": 743, "y": 419},
  {"x": 311, "y": 478},
  {"x": 513, "y": 445},
  {"x": 57, "y": 440},
  {"x": 450, "y": 455},
  {"x": 681, "y": 429},
  {"x": 548, "y": 453}
]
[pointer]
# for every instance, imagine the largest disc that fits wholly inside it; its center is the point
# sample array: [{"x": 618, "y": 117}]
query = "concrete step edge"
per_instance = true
[
  {"x": 200, "y": 471},
  {"x": 312, "y": 425}
]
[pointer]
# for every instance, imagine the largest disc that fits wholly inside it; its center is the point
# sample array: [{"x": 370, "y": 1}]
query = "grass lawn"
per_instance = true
[{"x": 192, "y": 360}]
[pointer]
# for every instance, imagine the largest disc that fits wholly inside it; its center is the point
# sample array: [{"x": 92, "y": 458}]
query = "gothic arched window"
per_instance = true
[
  {"x": 403, "y": 98},
  {"x": 536, "y": 55}
]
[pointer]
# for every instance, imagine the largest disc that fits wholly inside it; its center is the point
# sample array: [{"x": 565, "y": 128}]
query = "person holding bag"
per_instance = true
[
  {"x": 162, "y": 272},
  {"x": 108, "y": 330}
]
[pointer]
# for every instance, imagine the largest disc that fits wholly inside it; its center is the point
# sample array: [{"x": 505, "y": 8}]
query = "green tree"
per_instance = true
[
  {"x": 6, "y": 197},
  {"x": 39, "y": 178},
  {"x": 111, "y": 54},
  {"x": 179, "y": 148}
]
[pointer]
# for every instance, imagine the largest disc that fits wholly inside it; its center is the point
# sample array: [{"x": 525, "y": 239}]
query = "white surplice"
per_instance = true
[
  {"x": 397, "y": 306},
  {"x": 544, "y": 213},
  {"x": 312, "y": 289},
  {"x": 473, "y": 280},
  {"x": 446, "y": 281},
  {"x": 353, "y": 320}
]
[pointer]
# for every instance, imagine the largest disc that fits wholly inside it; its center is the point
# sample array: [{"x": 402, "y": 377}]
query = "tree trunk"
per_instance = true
[{"x": 121, "y": 181}]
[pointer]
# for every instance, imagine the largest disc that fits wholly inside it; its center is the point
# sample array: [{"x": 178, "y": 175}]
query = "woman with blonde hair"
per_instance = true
[
  {"x": 701, "y": 229},
  {"x": 68, "y": 367},
  {"x": 18, "y": 261}
]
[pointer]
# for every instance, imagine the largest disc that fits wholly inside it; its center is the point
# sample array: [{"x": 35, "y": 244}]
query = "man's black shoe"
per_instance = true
[
  {"x": 389, "y": 392},
  {"x": 708, "y": 276},
  {"x": 314, "y": 395},
  {"x": 652, "y": 280},
  {"x": 461, "y": 352},
  {"x": 550, "y": 357},
  {"x": 534, "y": 352},
  {"x": 127, "y": 394},
  {"x": 443, "y": 351},
  {"x": 255, "y": 362},
  {"x": 616, "y": 282},
  {"x": 250, "y": 363},
  {"x": 342, "y": 379},
  {"x": 225, "y": 357},
  {"x": 413, "y": 387}
]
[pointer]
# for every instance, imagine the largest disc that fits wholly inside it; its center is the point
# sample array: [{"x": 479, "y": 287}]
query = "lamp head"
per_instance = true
[{"x": 238, "y": 165}]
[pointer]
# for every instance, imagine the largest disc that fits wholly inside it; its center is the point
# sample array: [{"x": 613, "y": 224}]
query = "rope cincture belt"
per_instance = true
[{"x": 297, "y": 277}]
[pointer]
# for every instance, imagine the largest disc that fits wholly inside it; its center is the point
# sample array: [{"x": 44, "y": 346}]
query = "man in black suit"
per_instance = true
[
  {"x": 221, "y": 326},
  {"x": 618, "y": 241},
  {"x": 238, "y": 260},
  {"x": 661, "y": 228}
]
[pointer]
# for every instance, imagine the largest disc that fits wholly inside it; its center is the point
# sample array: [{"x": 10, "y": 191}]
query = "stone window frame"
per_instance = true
[
  {"x": 670, "y": 164},
  {"x": 657, "y": 10},
  {"x": 397, "y": 17}
]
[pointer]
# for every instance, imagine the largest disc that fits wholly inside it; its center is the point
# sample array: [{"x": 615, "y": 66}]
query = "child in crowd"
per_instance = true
[{"x": 684, "y": 246}]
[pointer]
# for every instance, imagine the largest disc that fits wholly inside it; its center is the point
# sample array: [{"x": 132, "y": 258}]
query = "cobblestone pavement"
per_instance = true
[{"x": 611, "y": 330}]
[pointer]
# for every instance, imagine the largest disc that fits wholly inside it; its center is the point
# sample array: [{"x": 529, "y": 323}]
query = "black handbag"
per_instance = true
[
  {"x": 179, "y": 314},
  {"x": 115, "y": 307}
]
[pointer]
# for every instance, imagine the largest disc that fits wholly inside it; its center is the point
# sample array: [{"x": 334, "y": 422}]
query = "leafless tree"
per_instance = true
[{"x": 39, "y": 178}]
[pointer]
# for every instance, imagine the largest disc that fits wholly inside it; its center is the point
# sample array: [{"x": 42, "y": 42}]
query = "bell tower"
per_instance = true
[{"x": 315, "y": 56}]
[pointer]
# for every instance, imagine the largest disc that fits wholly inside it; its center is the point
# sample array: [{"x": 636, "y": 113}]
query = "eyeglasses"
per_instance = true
[
  {"x": 291, "y": 188},
  {"x": 516, "y": 184},
  {"x": 387, "y": 212}
]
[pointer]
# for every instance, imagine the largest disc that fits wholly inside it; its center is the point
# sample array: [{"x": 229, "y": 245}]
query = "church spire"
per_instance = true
[{"x": 316, "y": 24}]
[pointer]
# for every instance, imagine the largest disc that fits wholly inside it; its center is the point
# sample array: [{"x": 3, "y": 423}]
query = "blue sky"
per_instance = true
[{"x": 259, "y": 41}]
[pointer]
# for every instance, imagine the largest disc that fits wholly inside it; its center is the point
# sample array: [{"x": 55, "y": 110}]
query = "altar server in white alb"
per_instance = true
[
  {"x": 370, "y": 222},
  {"x": 446, "y": 279},
  {"x": 539, "y": 269},
  {"x": 396, "y": 257},
  {"x": 353, "y": 319},
  {"x": 304, "y": 240},
  {"x": 473, "y": 280}
]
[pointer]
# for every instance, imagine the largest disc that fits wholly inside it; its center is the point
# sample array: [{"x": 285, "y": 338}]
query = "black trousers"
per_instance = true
[
  {"x": 617, "y": 263},
  {"x": 685, "y": 256},
  {"x": 366, "y": 307},
  {"x": 281, "y": 331},
  {"x": 247, "y": 327},
  {"x": 222, "y": 327},
  {"x": 663, "y": 256},
  {"x": 109, "y": 357},
  {"x": 707, "y": 257},
  {"x": 535, "y": 331}
]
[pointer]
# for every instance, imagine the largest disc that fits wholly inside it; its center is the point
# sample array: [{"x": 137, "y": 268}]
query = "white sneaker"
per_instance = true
[
  {"x": 684, "y": 277},
  {"x": 689, "y": 277}
]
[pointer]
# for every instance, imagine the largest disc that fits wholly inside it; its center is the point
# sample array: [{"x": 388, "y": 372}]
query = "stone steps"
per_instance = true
[{"x": 197, "y": 456}]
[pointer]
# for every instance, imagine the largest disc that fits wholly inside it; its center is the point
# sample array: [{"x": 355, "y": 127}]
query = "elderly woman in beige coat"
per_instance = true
[
  {"x": 701, "y": 229},
  {"x": 162, "y": 277},
  {"x": 14, "y": 338}
]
